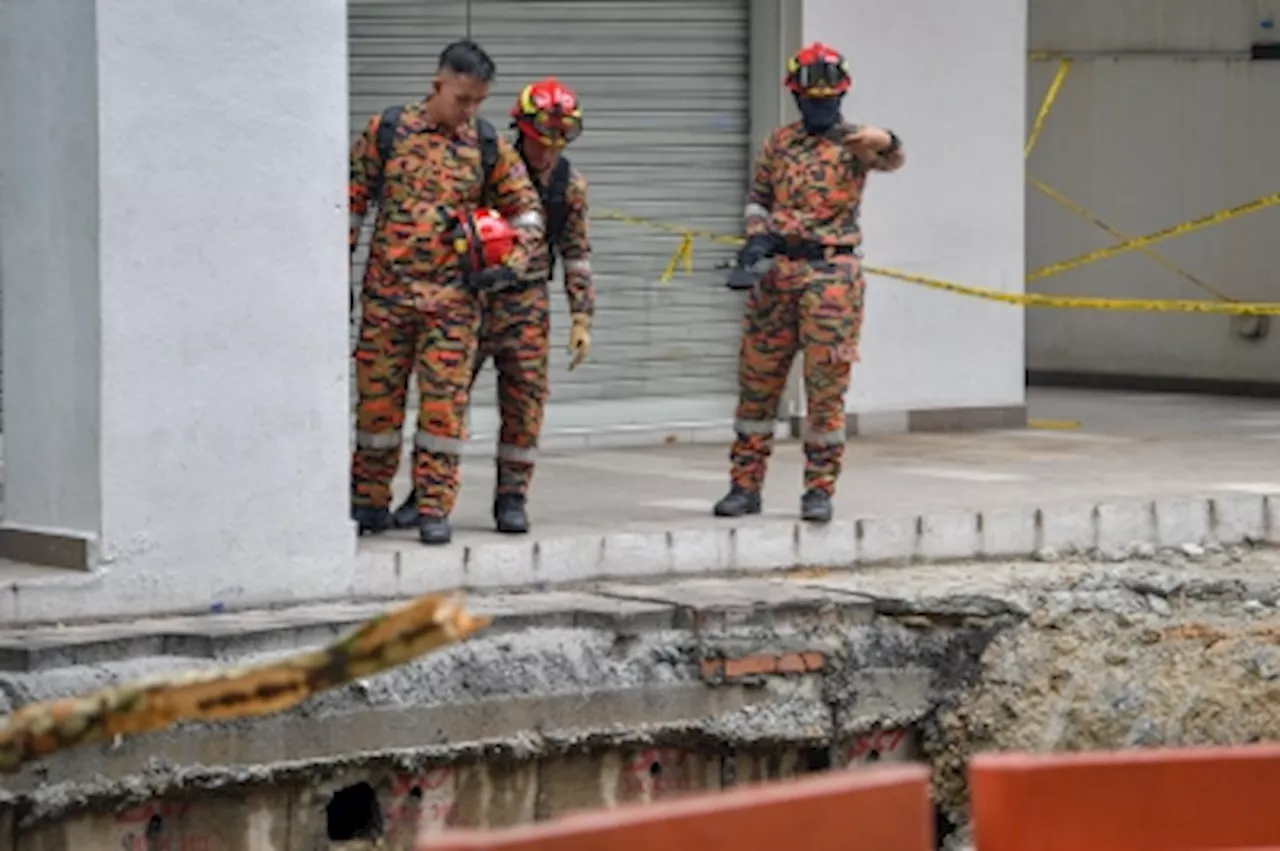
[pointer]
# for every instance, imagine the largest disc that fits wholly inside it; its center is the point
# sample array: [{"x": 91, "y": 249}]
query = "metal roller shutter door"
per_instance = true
[{"x": 664, "y": 86}]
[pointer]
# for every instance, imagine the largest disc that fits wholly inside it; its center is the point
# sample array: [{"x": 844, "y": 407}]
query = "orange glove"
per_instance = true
[{"x": 579, "y": 339}]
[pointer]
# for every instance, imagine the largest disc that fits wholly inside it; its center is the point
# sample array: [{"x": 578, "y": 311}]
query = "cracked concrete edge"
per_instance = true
[
  {"x": 769, "y": 712},
  {"x": 760, "y": 546},
  {"x": 51, "y": 801}
]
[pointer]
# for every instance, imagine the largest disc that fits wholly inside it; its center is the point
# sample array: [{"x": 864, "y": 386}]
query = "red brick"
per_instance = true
[
  {"x": 748, "y": 666},
  {"x": 791, "y": 663},
  {"x": 712, "y": 669},
  {"x": 882, "y": 809},
  {"x": 1141, "y": 800}
]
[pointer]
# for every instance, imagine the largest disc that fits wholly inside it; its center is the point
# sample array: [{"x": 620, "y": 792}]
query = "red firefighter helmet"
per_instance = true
[
  {"x": 818, "y": 70},
  {"x": 548, "y": 112},
  {"x": 485, "y": 239}
]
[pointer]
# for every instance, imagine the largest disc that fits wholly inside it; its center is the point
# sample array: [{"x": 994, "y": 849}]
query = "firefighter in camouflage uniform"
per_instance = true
[
  {"x": 802, "y": 211},
  {"x": 434, "y": 253},
  {"x": 516, "y": 320}
]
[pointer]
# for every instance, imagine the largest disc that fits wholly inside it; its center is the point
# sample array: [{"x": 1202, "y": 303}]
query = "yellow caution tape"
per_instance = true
[
  {"x": 685, "y": 254},
  {"x": 1138, "y": 243},
  {"x": 1046, "y": 106},
  {"x": 1120, "y": 235},
  {"x": 1054, "y": 425},
  {"x": 1075, "y": 302},
  {"x": 681, "y": 230}
]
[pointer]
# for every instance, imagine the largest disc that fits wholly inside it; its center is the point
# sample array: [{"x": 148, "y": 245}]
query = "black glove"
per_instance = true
[
  {"x": 493, "y": 278},
  {"x": 743, "y": 279},
  {"x": 757, "y": 248},
  {"x": 744, "y": 276}
]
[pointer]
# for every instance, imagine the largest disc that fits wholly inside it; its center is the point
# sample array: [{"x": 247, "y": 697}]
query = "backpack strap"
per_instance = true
[
  {"x": 390, "y": 123},
  {"x": 555, "y": 203},
  {"x": 488, "y": 156},
  {"x": 387, "y": 127}
]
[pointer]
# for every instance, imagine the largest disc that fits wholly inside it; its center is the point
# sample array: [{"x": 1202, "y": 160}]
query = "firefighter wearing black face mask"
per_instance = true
[{"x": 802, "y": 211}]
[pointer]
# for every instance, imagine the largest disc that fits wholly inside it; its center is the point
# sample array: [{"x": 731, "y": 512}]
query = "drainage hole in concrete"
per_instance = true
[
  {"x": 816, "y": 759},
  {"x": 353, "y": 813},
  {"x": 655, "y": 768},
  {"x": 155, "y": 824}
]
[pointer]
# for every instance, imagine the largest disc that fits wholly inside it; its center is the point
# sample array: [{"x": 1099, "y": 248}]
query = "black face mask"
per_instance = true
[{"x": 820, "y": 114}]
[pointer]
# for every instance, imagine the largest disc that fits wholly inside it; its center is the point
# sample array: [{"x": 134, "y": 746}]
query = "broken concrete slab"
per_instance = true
[
  {"x": 717, "y": 604},
  {"x": 946, "y": 651}
]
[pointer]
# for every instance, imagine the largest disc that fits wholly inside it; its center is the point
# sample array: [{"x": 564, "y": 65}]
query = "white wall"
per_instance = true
[
  {"x": 1161, "y": 120},
  {"x": 220, "y": 266},
  {"x": 949, "y": 78}
]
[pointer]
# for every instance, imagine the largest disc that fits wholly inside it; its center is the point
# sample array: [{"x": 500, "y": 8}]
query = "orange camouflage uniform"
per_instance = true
[
  {"x": 806, "y": 188},
  {"x": 415, "y": 311},
  {"x": 515, "y": 332}
]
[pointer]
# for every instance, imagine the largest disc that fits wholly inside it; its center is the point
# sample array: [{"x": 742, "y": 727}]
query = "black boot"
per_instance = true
[
  {"x": 406, "y": 516},
  {"x": 509, "y": 513},
  {"x": 371, "y": 520},
  {"x": 434, "y": 530},
  {"x": 815, "y": 506},
  {"x": 738, "y": 502}
]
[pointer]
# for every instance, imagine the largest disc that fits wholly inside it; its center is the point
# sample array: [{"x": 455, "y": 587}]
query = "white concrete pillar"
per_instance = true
[
  {"x": 173, "y": 226},
  {"x": 950, "y": 79}
]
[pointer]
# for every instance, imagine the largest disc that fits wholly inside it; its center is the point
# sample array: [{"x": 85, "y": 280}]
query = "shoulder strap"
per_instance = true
[
  {"x": 557, "y": 200},
  {"x": 387, "y": 126},
  {"x": 488, "y": 148},
  {"x": 555, "y": 203}
]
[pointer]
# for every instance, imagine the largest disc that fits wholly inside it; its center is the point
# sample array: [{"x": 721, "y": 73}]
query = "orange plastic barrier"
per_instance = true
[
  {"x": 1140, "y": 800},
  {"x": 881, "y": 809}
]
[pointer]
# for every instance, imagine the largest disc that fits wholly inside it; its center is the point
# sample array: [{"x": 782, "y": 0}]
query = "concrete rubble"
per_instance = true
[{"x": 612, "y": 692}]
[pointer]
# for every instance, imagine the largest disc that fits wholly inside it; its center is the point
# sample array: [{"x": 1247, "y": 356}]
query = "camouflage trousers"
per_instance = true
[
  {"x": 515, "y": 331},
  {"x": 435, "y": 337},
  {"x": 815, "y": 308}
]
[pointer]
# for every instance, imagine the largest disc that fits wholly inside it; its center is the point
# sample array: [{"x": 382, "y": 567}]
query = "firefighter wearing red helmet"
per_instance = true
[
  {"x": 432, "y": 168},
  {"x": 802, "y": 210},
  {"x": 515, "y": 331}
]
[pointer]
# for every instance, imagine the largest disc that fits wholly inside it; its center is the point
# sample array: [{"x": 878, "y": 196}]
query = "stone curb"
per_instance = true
[{"x": 1113, "y": 529}]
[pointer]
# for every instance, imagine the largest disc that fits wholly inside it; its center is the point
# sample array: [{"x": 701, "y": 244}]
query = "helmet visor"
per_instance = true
[
  {"x": 553, "y": 128},
  {"x": 817, "y": 79}
]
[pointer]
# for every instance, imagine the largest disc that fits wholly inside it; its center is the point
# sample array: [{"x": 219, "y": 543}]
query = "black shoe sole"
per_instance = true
[
  {"x": 815, "y": 518},
  {"x": 512, "y": 530},
  {"x": 746, "y": 512}
]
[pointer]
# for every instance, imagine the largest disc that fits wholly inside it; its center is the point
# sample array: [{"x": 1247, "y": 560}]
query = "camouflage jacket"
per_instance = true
[
  {"x": 809, "y": 187},
  {"x": 431, "y": 167}
]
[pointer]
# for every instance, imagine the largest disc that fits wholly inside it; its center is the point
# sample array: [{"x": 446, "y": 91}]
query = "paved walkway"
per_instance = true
[
  {"x": 1139, "y": 470},
  {"x": 1128, "y": 447}
]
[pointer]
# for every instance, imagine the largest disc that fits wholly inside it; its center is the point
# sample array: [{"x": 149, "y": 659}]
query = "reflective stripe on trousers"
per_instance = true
[
  {"x": 824, "y": 438},
  {"x": 519, "y": 454},
  {"x": 378, "y": 440},
  {"x": 765, "y": 427},
  {"x": 428, "y": 442}
]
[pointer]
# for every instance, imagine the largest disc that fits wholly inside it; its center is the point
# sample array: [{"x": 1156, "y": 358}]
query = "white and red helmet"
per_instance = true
[
  {"x": 818, "y": 70},
  {"x": 548, "y": 112}
]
